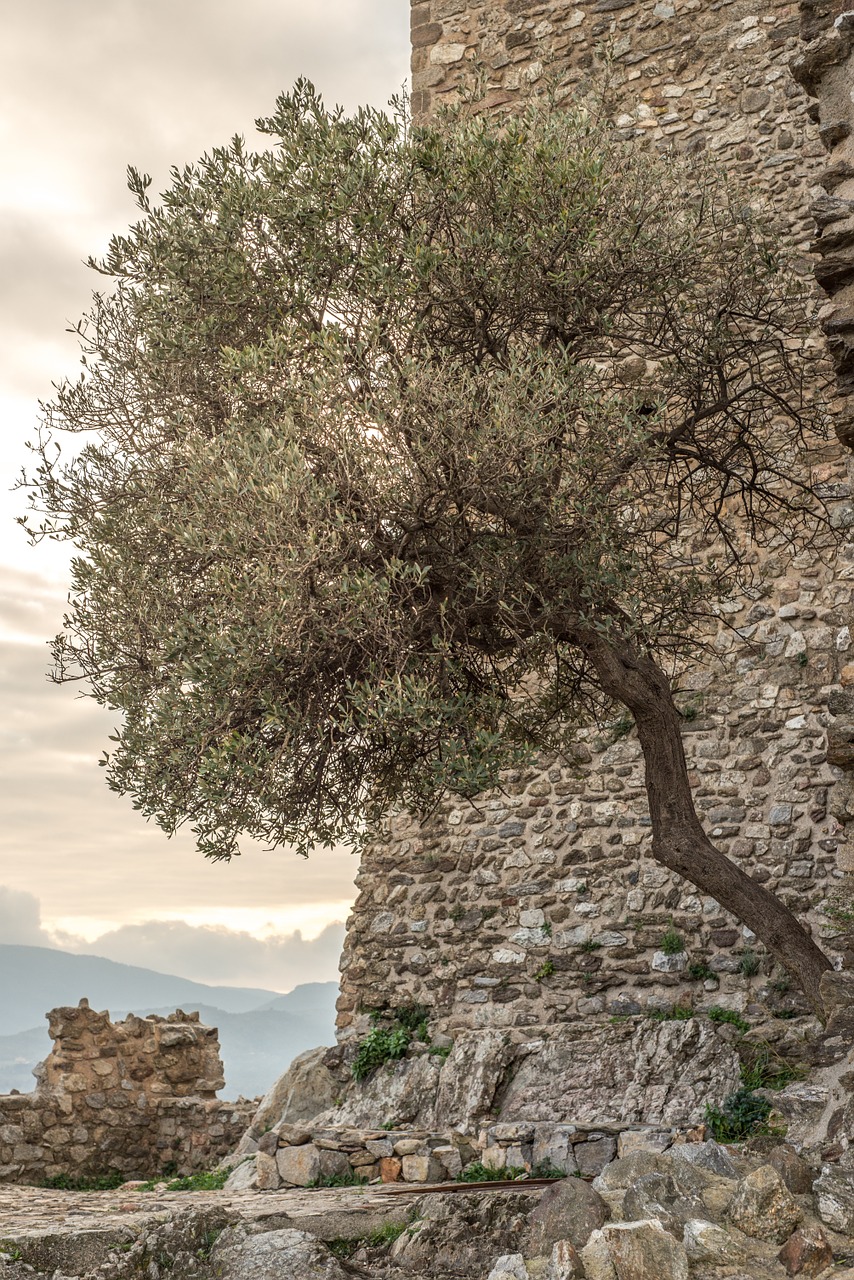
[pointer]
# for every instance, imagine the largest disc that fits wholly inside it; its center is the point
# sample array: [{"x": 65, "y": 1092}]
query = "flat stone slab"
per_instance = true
[{"x": 75, "y": 1230}]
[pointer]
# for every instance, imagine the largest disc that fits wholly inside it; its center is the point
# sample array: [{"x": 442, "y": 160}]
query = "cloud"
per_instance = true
[
  {"x": 20, "y": 919},
  {"x": 204, "y": 953},
  {"x": 92, "y": 87},
  {"x": 223, "y": 956}
]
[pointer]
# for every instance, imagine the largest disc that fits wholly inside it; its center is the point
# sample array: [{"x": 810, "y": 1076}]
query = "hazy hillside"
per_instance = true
[
  {"x": 260, "y": 1031},
  {"x": 36, "y": 979}
]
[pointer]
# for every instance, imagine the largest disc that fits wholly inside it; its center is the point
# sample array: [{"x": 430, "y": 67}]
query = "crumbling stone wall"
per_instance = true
[
  {"x": 541, "y": 903},
  {"x": 133, "y": 1097}
]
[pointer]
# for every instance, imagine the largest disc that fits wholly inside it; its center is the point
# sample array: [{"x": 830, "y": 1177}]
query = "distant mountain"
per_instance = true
[
  {"x": 36, "y": 979},
  {"x": 260, "y": 1031},
  {"x": 18, "y": 1055},
  {"x": 258, "y": 1046}
]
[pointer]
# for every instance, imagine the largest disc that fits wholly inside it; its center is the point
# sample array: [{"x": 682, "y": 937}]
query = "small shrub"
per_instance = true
[
  {"x": 343, "y": 1249},
  {"x": 379, "y": 1046},
  {"x": 678, "y": 1013},
  {"x": 717, "y": 1014},
  {"x": 672, "y": 942},
  {"x": 741, "y": 1115},
  {"x": 545, "y": 970},
  {"x": 351, "y": 1179},
  {"x": 478, "y": 1172},
  {"x": 547, "y": 1170},
  {"x": 767, "y": 1070},
  {"x": 699, "y": 971},
  {"x": 207, "y": 1180},
  {"x": 749, "y": 964},
  {"x": 590, "y": 945},
  {"x": 390, "y": 1042},
  {"x": 100, "y": 1182},
  {"x": 440, "y": 1051},
  {"x": 802, "y": 660}
]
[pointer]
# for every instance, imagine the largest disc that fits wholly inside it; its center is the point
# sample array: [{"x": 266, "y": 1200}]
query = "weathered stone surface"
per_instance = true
[
  {"x": 795, "y": 1172},
  {"x": 130, "y": 1097},
  {"x": 658, "y": 1196},
  {"x": 763, "y": 1207},
  {"x": 705, "y": 1155},
  {"x": 638, "y": 1251},
  {"x": 806, "y": 1253},
  {"x": 422, "y": 1169},
  {"x": 568, "y": 1210},
  {"x": 510, "y": 1266},
  {"x": 834, "y": 1198},
  {"x": 625, "y": 1171},
  {"x": 564, "y": 1262},
  {"x": 300, "y": 1093},
  {"x": 242, "y": 1176},
  {"x": 707, "y": 1242},
  {"x": 266, "y": 1172},
  {"x": 298, "y": 1166},
  {"x": 655, "y": 1072},
  {"x": 273, "y": 1255},
  {"x": 469, "y": 1079},
  {"x": 400, "y": 1093}
]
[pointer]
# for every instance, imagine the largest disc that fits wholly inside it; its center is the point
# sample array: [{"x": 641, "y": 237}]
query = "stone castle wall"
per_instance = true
[
  {"x": 541, "y": 904},
  {"x": 133, "y": 1097}
]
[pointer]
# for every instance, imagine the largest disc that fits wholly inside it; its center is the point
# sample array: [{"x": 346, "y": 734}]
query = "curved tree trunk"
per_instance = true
[{"x": 678, "y": 839}]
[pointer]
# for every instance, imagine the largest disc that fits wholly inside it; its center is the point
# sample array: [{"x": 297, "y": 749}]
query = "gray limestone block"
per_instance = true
[
  {"x": 273, "y": 1255},
  {"x": 658, "y": 1195},
  {"x": 510, "y": 1266},
  {"x": 834, "y": 1198},
  {"x": 636, "y": 1251},
  {"x": 705, "y": 1155}
]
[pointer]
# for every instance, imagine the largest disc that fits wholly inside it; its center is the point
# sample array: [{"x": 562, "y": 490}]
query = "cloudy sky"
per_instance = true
[{"x": 87, "y": 88}]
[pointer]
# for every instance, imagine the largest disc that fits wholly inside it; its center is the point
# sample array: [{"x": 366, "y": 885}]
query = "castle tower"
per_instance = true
[{"x": 542, "y": 905}]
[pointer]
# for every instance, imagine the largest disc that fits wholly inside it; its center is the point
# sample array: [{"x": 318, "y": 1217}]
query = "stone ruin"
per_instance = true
[
  {"x": 540, "y": 905},
  {"x": 134, "y": 1098}
]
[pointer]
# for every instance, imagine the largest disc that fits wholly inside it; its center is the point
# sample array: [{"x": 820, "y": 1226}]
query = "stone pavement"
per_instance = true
[{"x": 78, "y": 1228}]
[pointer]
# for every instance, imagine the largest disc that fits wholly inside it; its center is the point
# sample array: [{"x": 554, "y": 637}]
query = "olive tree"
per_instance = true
[{"x": 413, "y": 452}]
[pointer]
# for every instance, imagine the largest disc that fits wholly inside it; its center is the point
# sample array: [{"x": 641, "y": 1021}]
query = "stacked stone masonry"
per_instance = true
[
  {"x": 133, "y": 1098},
  {"x": 540, "y": 904},
  {"x": 294, "y": 1157}
]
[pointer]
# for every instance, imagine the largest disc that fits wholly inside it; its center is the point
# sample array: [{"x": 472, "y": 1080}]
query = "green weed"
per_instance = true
[
  {"x": 717, "y": 1014},
  {"x": 740, "y": 1116},
  {"x": 672, "y": 942}
]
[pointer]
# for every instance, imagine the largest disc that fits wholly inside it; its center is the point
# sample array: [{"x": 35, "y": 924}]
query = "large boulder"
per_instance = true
[
  {"x": 707, "y": 1242},
  {"x": 834, "y": 1199},
  {"x": 635, "y": 1251},
  {"x": 651, "y": 1072},
  {"x": 241, "y": 1254},
  {"x": 300, "y": 1093},
  {"x": 659, "y": 1196},
  {"x": 568, "y": 1210},
  {"x": 806, "y": 1253},
  {"x": 398, "y": 1093},
  {"x": 763, "y": 1207}
]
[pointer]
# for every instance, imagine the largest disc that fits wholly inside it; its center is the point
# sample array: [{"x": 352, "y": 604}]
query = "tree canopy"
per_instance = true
[{"x": 401, "y": 438}]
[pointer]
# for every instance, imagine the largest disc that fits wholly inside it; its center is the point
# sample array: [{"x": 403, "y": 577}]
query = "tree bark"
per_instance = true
[{"x": 678, "y": 839}]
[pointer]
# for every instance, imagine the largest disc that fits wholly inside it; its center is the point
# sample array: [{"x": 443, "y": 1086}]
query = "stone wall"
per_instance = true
[
  {"x": 133, "y": 1097},
  {"x": 540, "y": 904}
]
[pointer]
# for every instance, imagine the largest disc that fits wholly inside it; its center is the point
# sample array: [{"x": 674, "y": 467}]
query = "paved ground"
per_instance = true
[{"x": 78, "y": 1228}]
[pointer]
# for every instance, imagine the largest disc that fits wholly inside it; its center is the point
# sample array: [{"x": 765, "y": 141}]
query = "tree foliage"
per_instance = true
[{"x": 388, "y": 426}]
